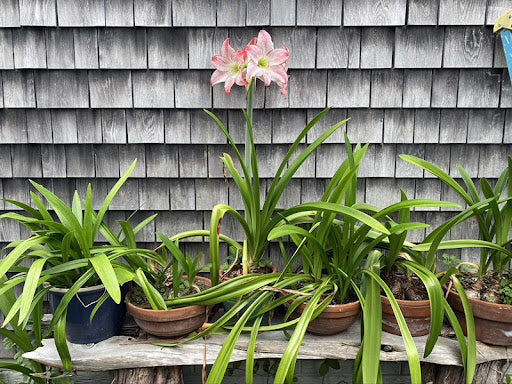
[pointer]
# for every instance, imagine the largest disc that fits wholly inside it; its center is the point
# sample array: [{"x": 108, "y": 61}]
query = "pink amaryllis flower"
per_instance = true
[
  {"x": 230, "y": 67},
  {"x": 266, "y": 63}
]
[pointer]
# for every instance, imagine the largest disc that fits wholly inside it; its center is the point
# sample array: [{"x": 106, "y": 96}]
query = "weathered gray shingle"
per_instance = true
[
  {"x": 192, "y": 89},
  {"x": 507, "y": 134},
  {"x": 379, "y": 161},
  {"x": 5, "y": 158},
  {"x": 231, "y": 13},
  {"x": 80, "y": 160},
  {"x": 153, "y": 89},
  {"x": 365, "y": 125},
  {"x": 113, "y": 125},
  {"x": 9, "y": 13},
  {"x": 13, "y": 128},
  {"x": 167, "y": 48},
  {"x": 307, "y": 89},
  {"x": 468, "y": 47},
  {"x": 417, "y": 88},
  {"x": 145, "y": 126},
  {"x": 312, "y": 190},
  {"x": 438, "y": 155},
  {"x": 387, "y": 88},
  {"x": 193, "y": 161},
  {"x": 287, "y": 124},
  {"x": 377, "y": 47},
  {"x": 469, "y": 12},
  {"x": 333, "y": 117},
  {"x": 422, "y": 12},
  {"x": 210, "y": 192},
  {"x": 403, "y": 168},
  {"x": 89, "y": 125},
  {"x": 466, "y": 156},
  {"x": 262, "y": 126},
  {"x": 348, "y": 89},
  {"x": 60, "y": 48},
  {"x": 399, "y": 126},
  {"x": 64, "y": 126},
  {"x": 328, "y": 159},
  {"x": 81, "y": 13},
  {"x": 6, "y": 49},
  {"x": 110, "y": 89},
  {"x": 154, "y": 194},
  {"x": 122, "y": 48},
  {"x": 203, "y": 130},
  {"x": 118, "y": 13},
  {"x": 182, "y": 194},
  {"x": 106, "y": 160},
  {"x": 62, "y": 89},
  {"x": 445, "y": 84},
  {"x": 29, "y": 48},
  {"x": 153, "y": 13},
  {"x": 162, "y": 160},
  {"x": 419, "y": 47},
  {"x": 368, "y": 13},
  {"x": 301, "y": 43},
  {"x": 495, "y": 9},
  {"x": 177, "y": 126},
  {"x": 39, "y": 126},
  {"x": 194, "y": 13},
  {"x": 282, "y": 12},
  {"x": 53, "y": 160},
  {"x": 38, "y": 12},
  {"x": 334, "y": 45},
  {"x": 26, "y": 160},
  {"x": 86, "y": 48},
  {"x": 173, "y": 222},
  {"x": 428, "y": 189},
  {"x": 130, "y": 152},
  {"x": 215, "y": 166},
  {"x": 204, "y": 43},
  {"x": 323, "y": 12},
  {"x": 453, "y": 127},
  {"x": 384, "y": 192},
  {"x": 426, "y": 125},
  {"x": 290, "y": 196},
  {"x": 270, "y": 158},
  {"x": 486, "y": 126},
  {"x": 258, "y": 12},
  {"x": 478, "y": 89},
  {"x": 236, "y": 98},
  {"x": 19, "y": 89},
  {"x": 495, "y": 160}
]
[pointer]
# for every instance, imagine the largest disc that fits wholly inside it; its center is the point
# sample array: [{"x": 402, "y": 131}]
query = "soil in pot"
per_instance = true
[{"x": 172, "y": 323}]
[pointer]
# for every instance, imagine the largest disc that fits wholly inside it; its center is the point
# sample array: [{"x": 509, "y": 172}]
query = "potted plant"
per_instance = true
[{"x": 70, "y": 264}]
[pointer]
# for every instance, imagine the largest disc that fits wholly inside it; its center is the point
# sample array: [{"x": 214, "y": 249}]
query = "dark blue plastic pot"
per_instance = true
[{"x": 106, "y": 322}]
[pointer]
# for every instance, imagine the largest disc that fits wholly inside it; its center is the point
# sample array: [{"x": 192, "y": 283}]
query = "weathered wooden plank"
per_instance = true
[
  {"x": 328, "y": 159},
  {"x": 507, "y": 134},
  {"x": 128, "y": 153},
  {"x": 9, "y": 230},
  {"x": 499, "y": 54},
  {"x": 365, "y": 125},
  {"x": 495, "y": 9},
  {"x": 466, "y": 156},
  {"x": 64, "y": 126},
  {"x": 29, "y": 48},
  {"x": 119, "y": 13},
  {"x": 203, "y": 130},
  {"x": 60, "y": 48},
  {"x": 210, "y": 192},
  {"x": 106, "y": 160},
  {"x": 422, "y": 12},
  {"x": 192, "y": 89},
  {"x": 236, "y": 98},
  {"x": 426, "y": 125},
  {"x": 38, "y": 12},
  {"x": 177, "y": 126},
  {"x": 154, "y": 194},
  {"x": 469, "y": 12},
  {"x": 312, "y": 190},
  {"x": 354, "y": 48},
  {"x": 81, "y": 13},
  {"x": 162, "y": 161},
  {"x": 287, "y": 125},
  {"x": 494, "y": 160},
  {"x": 128, "y": 197},
  {"x": 438, "y": 155},
  {"x": 39, "y": 126},
  {"x": 333, "y": 46},
  {"x": 204, "y": 43},
  {"x": 307, "y": 168},
  {"x": 167, "y": 48},
  {"x": 145, "y": 126},
  {"x": 6, "y": 49},
  {"x": 348, "y": 89},
  {"x": 193, "y": 161},
  {"x": 333, "y": 117},
  {"x": 377, "y": 47},
  {"x": 62, "y": 89},
  {"x": 282, "y": 12},
  {"x": 231, "y": 13},
  {"x": 53, "y": 160},
  {"x": 182, "y": 194},
  {"x": 153, "y": 13},
  {"x": 398, "y": 126},
  {"x": 274, "y": 99},
  {"x": 86, "y": 48},
  {"x": 301, "y": 41},
  {"x": 79, "y": 160},
  {"x": 153, "y": 89},
  {"x": 147, "y": 234},
  {"x": 486, "y": 126},
  {"x": 307, "y": 89},
  {"x": 9, "y": 14},
  {"x": 467, "y": 47},
  {"x": 26, "y": 160},
  {"x": 89, "y": 126},
  {"x": 194, "y": 13},
  {"x": 419, "y": 47},
  {"x": 453, "y": 127},
  {"x": 216, "y": 168},
  {"x": 382, "y": 192},
  {"x": 13, "y": 126},
  {"x": 258, "y": 12},
  {"x": 445, "y": 84},
  {"x": 417, "y": 88},
  {"x": 478, "y": 89},
  {"x": 110, "y": 89},
  {"x": 386, "y": 89},
  {"x": 428, "y": 189},
  {"x": 269, "y": 159},
  {"x": 506, "y": 91},
  {"x": 172, "y": 222},
  {"x": 65, "y": 188},
  {"x": 379, "y": 161},
  {"x": 290, "y": 196},
  {"x": 18, "y": 90},
  {"x": 113, "y": 125},
  {"x": 371, "y": 13},
  {"x": 122, "y": 48},
  {"x": 323, "y": 12}
]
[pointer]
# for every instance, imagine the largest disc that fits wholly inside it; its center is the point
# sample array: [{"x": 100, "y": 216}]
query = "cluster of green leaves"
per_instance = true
[{"x": 506, "y": 291}]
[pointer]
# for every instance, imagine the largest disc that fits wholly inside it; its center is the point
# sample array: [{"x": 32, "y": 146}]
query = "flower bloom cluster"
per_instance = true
[{"x": 258, "y": 60}]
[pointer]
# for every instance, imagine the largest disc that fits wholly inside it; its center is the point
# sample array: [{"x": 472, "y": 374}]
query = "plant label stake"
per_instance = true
[{"x": 503, "y": 25}]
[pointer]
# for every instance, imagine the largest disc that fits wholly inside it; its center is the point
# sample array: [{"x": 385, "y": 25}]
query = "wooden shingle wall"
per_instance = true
[{"x": 88, "y": 85}]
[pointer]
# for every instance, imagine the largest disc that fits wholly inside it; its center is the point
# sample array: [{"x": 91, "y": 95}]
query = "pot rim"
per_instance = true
[
  {"x": 81, "y": 290},
  {"x": 411, "y": 303}
]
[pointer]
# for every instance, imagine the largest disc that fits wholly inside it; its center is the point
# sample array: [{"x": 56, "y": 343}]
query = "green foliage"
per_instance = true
[
  {"x": 327, "y": 365},
  {"x": 506, "y": 291}
]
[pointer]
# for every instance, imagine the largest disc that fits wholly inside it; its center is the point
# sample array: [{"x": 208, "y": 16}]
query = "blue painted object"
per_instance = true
[{"x": 506, "y": 39}]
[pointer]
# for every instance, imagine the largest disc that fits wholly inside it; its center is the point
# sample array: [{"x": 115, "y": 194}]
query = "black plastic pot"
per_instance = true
[{"x": 106, "y": 322}]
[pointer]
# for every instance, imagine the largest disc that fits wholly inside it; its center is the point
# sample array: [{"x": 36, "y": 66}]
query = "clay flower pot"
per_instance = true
[
  {"x": 493, "y": 322},
  {"x": 416, "y": 314},
  {"x": 172, "y": 323}
]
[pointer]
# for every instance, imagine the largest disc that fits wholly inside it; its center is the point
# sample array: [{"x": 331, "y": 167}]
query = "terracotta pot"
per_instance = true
[
  {"x": 171, "y": 323},
  {"x": 335, "y": 319},
  {"x": 493, "y": 322},
  {"x": 416, "y": 314}
]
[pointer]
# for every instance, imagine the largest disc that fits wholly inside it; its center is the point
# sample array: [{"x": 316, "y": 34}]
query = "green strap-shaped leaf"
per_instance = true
[
  {"x": 59, "y": 334},
  {"x": 105, "y": 272},
  {"x": 154, "y": 297},
  {"x": 17, "y": 252},
  {"x": 30, "y": 287}
]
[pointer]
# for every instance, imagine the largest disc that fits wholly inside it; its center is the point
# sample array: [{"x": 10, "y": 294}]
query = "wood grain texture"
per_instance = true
[
  {"x": 422, "y": 12},
  {"x": 153, "y": 13},
  {"x": 89, "y": 126},
  {"x": 466, "y": 156},
  {"x": 287, "y": 125},
  {"x": 18, "y": 89},
  {"x": 404, "y": 169},
  {"x": 106, "y": 161},
  {"x": 371, "y": 13},
  {"x": 53, "y": 161},
  {"x": 203, "y": 44},
  {"x": 9, "y": 14},
  {"x": 192, "y": 89},
  {"x": 119, "y": 13},
  {"x": 282, "y": 12},
  {"x": 300, "y": 41},
  {"x": 495, "y": 9},
  {"x": 81, "y": 13},
  {"x": 128, "y": 153},
  {"x": 122, "y": 48},
  {"x": 215, "y": 166},
  {"x": 154, "y": 194},
  {"x": 153, "y": 89},
  {"x": 113, "y": 125},
  {"x": 110, "y": 89},
  {"x": 478, "y": 89},
  {"x": 333, "y": 47},
  {"x": 194, "y": 13},
  {"x": 80, "y": 160},
  {"x": 426, "y": 125},
  {"x": 438, "y": 155},
  {"x": 269, "y": 159},
  {"x": 39, "y": 126},
  {"x": 6, "y": 49},
  {"x": 307, "y": 169},
  {"x": 167, "y": 48},
  {"x": 398, "y": 126},
  {"x": 29, "y": 48},
  {"x": 382, "y": 192},
  {"x": 307, "y": 89},
  {"x": 348, "y": 89},
  {"x": 333, "y": 117},
  {"x": 182, "y": 194},
  {"x": 453, "y": 126},
  {"x": 499, "y": 54},
  {"x": 177, "y": 126},
  {"x": 328, "y": 159},
  {"x": 387, "y": 89},
  {"x": 193, "y": 163},
  {"x": 203, "y": 130},
  {"x": 64, "y": 126},
  {"x": 60, "y": 48},
  {"x": 26, "y": 160},
  {"x": 470, "y": 12},
  {"x": 162, "y": 161},
  {"x": 428, "y": 189},
  {"x": 145, "y": 126},
  {"x": 445, "y": 85},
  {"x": 377, "y": 47},
  {"x": 13, "y": 127},
  {"x": 159, "y": 375},
  {"x": 419, "y": 47},
  {"x": 231, "y": 13},
  {"x": 417, "y": 88},
  {"x": 209, "y": 193},
  {"x": 86, "y": 48},
  {"x": 38, "y": 12},
  {"x": 379, "y": 161},
  {"x": 506, "y": 90},
  {"x": 485, "y": 126},
  {"x": 312, "y": 190},
  {"x": 365, "y": 125},
  {"x": 507, "y": 134},
  {"x": 467, "y": 47},
  {"x": 62, "y": 89},
  {"x": 493, "y": 160},
  {"x": 236, "y": 98},
  {"x": 173, "y": 222},
  {"x": 258, "y": 12},
  {"x": 290, "y": 196},
  {"x": 323, "y": 12}
]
